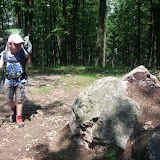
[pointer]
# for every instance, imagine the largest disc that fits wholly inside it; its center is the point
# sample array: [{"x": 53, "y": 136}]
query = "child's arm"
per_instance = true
[
  {"x": 27, "y": 62},
  {"x": 1, "y": 62}
]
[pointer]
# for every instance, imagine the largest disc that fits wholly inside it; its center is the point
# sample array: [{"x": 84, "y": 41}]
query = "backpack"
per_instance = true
[{"x": 15, "y": 72}]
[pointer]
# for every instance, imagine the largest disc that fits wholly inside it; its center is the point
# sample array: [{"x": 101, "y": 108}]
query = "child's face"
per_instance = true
[{"x": 14, "y": 48}]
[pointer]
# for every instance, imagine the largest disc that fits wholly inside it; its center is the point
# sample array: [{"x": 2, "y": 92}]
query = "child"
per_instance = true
[{"x": 15, "y": 75}]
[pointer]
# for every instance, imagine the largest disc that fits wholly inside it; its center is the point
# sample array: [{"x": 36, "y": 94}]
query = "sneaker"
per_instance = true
[
  {"x": 19, "y": 121},
  {"x": 12, "y": 118},
  {"x": 14, "y": 110}
]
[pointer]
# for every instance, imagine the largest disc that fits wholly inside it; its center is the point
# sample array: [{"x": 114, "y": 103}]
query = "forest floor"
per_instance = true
[{"x": 46, "y": 134}]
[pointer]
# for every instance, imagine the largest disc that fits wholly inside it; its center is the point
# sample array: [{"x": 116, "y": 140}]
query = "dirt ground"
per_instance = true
[{"x": 46, "y": 134}]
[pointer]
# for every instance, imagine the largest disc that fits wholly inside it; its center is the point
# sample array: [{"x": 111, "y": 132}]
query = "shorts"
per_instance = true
[{"x": 16, "y": 93}]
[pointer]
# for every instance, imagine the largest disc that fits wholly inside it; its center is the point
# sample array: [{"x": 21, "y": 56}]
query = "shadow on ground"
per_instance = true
[
  {"x": 30, "y": 109},
  {"x": 71, "y": 152}
]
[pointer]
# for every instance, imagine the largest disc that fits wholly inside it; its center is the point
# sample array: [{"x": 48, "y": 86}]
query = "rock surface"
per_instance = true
[
  {"x": 102, "y": 114},
  {"x": 149, "y": 139},
  {"x": 153, "y": 147},
  {"x": 141, "y": 76}
]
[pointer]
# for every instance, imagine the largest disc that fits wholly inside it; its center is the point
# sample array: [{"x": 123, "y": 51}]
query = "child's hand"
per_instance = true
[{"x": 26, "y": 69}]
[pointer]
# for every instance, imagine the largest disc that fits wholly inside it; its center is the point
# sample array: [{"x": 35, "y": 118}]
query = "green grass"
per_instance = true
[
  {"x": 79, "y": 70},
  {"x": 84, "y": 75},
  {"x": 74, "y": 76},
  {"x": 78, "y": 80},
  {"x": 45, "y": 89}
]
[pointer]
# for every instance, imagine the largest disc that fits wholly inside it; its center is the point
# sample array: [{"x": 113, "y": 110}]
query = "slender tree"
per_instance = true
[
  {"x": 74, "y": 32},
  {"x": 18, "y": 14},
  {"x": 151, "y": 56},
  {"x": 138, "y": 57},
  {"x": 156, "y": 15},
  {"x": 64, "y": 52},
  {"x": 104, "y": 46},
  {"x": 29, "y": 16},
  {"x": 100, "y": 34}
]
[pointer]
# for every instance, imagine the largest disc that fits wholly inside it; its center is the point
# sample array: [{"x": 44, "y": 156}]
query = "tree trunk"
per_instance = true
[
  {"x": 100, "y": 34},
  {"x": 50, "y": 57},
  {"x": 18, "y": 15},
  {"x": 139, "y": 34},
  {"x": 150, "y": 46},
  {"x": 28, "y": 23},
  {"x": 113, "y": 53},
  {"x": 73, "y": 33},
  {"x": 2, "y": 24},
  {"x": 64, "y": 54},
  {"x": 29, "y": 17},
  {"x": 156, "y": 15},
  {"x": 104, "y": 47},
  {"x": 53, "y": 56}
]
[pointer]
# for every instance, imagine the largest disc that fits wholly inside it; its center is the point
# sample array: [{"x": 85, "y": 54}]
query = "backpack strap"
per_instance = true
[
  {"x": 22, "y": 57},
  {"x": 23, "y": 61},
  {"x": 22, "y": 90},
  {"x": 2, "y": 81},
  {"x": 5, "y": 57},
  {"x": 11, "y": 89}
]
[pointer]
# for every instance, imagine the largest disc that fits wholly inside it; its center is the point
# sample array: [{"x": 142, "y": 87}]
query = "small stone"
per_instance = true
[{"x": 148, "y": 122}]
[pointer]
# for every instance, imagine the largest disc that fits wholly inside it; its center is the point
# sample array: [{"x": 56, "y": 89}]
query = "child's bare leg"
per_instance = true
[
  {"x": 19, "y": 107},
  {"x": 19, "y": 120},
  {"x": 13, "y": 107}
]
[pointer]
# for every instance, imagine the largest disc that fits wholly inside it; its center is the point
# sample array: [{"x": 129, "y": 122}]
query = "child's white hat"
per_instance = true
[{"x": 15, "y": 38}]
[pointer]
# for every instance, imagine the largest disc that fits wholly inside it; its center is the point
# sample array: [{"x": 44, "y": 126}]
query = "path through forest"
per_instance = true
[{"x": 46, "y": 133}]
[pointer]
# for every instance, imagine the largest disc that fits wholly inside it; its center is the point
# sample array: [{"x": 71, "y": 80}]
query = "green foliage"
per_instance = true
[
  {"x": 122, "y": 33},
  {"x": 65, "y": 34},
  {"x": 111, "y": 155}
]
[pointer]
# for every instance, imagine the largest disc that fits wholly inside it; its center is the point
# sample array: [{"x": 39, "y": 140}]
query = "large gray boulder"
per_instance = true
[
  {"x": 147, "y": 146},
  {"x": 153, "y": 147},
  {"x": 141, "y": 76},
  {"x": 102, "y": 114}
]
